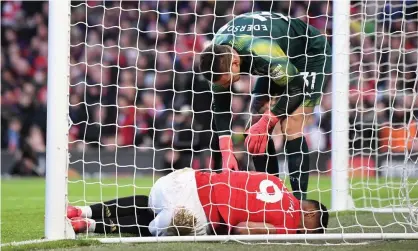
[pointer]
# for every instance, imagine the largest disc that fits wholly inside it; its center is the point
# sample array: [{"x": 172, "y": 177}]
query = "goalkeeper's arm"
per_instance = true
[
  {"x": 285, "y": 74},
  {"x": 291, "y": 99}
]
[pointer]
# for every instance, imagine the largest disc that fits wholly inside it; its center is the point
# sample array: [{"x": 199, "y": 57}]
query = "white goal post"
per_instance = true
[
  {"x": 340, "y": 82},
  {"x": 350, "y": 195},
  {"x": 56, "y": 198}
]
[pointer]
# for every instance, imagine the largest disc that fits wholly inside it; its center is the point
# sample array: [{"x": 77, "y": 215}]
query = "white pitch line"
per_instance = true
[
  {"x": 19, "y": 243},
  {"x": 90, "y": 198}
]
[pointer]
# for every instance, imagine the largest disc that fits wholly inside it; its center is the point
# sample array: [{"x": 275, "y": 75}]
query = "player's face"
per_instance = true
[
  {"x": 310, "y": 223},
  {"x": 225, "y": 81},
  {"x": 233, "y": 76},
  {"x": 235, "y": 67}
]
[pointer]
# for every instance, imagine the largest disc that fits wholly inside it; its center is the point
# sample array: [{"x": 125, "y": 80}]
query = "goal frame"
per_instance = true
[
  {"x": 56, "y": 224},
  {"x": 56, "y": 194}
]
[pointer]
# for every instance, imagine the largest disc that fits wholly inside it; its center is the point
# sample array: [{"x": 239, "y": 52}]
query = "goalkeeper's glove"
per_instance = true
[
  {"x": 229, "y": 162},
  {"x": 257, "y": 136}
]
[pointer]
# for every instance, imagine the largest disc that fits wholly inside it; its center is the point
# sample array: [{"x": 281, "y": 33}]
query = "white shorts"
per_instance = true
[{"x": 171, "y": 192}]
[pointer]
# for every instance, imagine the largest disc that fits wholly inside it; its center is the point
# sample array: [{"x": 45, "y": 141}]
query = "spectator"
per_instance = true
[
  {"x": 13, "y": 135},
  {"x": 26, "y": 164},
  {"x": 401, "y": 133},
  {"x": 36, "y": 140},
  {"x": 172, "y": 161},
  {"x": 129, "y": 70},
  {"x": 125, "y": 122}
]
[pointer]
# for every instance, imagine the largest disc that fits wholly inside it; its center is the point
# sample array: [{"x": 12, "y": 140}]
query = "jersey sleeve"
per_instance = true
[
  {"x": 270, "y": 60},
  {"x": 159, "y": 226},
  {"x": 284, "y": 73},
  {"x": 292, "y": 98},
  {"x": 280, "y": 70}
]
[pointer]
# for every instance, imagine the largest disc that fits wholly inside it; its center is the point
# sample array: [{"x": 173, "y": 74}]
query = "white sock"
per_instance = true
[
  {"x": 85, "y": 211},
  {"x": 91, "y": 225}
]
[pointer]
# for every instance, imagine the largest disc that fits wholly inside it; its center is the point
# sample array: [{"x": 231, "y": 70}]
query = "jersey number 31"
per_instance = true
[{"x": 305, "y": 79}]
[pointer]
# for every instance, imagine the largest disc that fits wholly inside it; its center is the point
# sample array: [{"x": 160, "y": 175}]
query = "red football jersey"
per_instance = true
[{"x": 234, "y": 197}]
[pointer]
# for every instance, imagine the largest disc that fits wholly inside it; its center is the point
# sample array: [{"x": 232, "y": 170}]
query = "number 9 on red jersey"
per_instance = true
[{"x": 255, "y": 197}]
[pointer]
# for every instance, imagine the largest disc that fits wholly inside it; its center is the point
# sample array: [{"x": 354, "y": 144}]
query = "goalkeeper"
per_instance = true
[
  {"x": 293, "y": 61},
  {"x": 189, "y": 202}
]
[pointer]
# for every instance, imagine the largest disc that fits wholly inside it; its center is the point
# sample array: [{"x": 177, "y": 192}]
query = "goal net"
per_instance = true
[{"x": 138, "y": 108}]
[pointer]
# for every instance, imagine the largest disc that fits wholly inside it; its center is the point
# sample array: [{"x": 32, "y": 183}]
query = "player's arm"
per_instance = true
[
  {"x": 245, "y": 228},
  {"x": 285, "y": 74},
  {"x": 270, "y": 60},
  {"x": 221, "y": 107},
  {"x": 159, "y": 226},
  {"x": 222, "y": 115}
]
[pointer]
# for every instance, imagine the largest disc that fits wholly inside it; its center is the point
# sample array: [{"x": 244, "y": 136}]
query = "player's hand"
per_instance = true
[
  {"x": 229, "y": 161},
  {"x": 257, "y": 136}
]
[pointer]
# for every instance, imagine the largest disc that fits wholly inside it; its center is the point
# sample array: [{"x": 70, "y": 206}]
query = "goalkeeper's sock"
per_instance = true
[
  {"x": 126, "y": 206},
  {"x": 267, "y": 163},
  {"x": 298, "y": 163},
  {"x": 83, "y": 225},
  {"x": 107, "y": 226},
  {"x": 85, "y": 212},
  {"x": 136, "y": 225},
  {"x": 78, "y": 211}
]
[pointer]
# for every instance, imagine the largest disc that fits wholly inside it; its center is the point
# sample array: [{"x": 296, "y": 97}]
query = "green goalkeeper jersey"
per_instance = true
[{"x": 292, "y": 54}]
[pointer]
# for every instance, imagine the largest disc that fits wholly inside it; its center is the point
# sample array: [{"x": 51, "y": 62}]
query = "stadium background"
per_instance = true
[{"x": 143, "y": 85}]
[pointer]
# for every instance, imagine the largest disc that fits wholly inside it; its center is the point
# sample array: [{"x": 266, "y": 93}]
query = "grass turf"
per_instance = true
[{"x": 23, "y": 210}]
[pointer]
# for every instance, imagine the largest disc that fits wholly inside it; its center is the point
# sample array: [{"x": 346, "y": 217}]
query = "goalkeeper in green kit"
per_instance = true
[{"x": 293, "y": 61}]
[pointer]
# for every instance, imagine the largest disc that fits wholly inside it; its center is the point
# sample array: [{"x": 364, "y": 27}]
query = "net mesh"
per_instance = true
[{"x": 139, "y": 107}]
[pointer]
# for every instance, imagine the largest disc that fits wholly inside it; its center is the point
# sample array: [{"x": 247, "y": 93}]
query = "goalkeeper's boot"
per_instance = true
[
  {"x": 73, "y": 212},
  {"x": 80, "y": 225}
]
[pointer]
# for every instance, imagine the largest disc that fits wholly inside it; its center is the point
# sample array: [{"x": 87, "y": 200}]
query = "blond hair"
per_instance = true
[{"x": 183, "y": 223}]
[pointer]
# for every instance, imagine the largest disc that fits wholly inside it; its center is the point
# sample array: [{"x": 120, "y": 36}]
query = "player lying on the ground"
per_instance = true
[
  {"x": 188, "y": 202},
  {"x": 293, "y": 60}
]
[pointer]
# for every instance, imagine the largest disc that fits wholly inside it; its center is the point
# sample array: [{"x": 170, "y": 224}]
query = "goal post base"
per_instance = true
[
  {"x": 69, "y": 233},
  {"x": 249, "y": 238}
]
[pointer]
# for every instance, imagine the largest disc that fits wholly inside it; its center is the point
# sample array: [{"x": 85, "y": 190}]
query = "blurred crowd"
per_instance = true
[{"x": 134, "y": 79}]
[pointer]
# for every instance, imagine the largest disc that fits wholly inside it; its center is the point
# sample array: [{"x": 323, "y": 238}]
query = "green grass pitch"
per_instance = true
[{"x": 23, "y": 202}]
